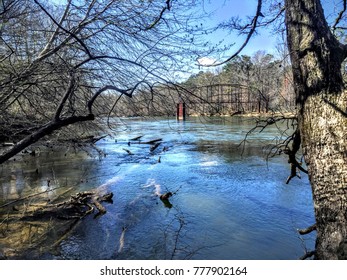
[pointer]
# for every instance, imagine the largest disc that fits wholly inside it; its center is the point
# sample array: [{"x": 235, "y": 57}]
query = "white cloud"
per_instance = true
[{"x": 206, "y": 61}]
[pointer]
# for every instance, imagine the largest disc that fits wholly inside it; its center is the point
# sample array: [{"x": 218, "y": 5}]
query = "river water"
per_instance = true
[{"x": 226, "y": 204}]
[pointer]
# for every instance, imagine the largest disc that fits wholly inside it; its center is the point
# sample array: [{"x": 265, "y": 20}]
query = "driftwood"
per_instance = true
[
  {"x": 7, "y": 144},
  {"x": 95, "y": 139},
  {"x": 136, "y": 138},
  {"x": 107, "y": 198},
  {"x": 152, "y": 148},
  {"x": 76, "y": 207},
  {"x": 35, "y": 222},
  {"x": 152, "y": 141},
  {"x": 307, "y": 230},
  {"x": 92, "y": 139},
  {"x": 101, "y": 209},
  {"x": 165, "y": 199},
  {"x": 129, "y": 152},
  {"x": 165, "y": 196},
  {"x": 121, "y": 240}
]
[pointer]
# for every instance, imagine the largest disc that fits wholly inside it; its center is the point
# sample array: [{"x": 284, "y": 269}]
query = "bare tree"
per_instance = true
[{"x": 57, "y": 61}]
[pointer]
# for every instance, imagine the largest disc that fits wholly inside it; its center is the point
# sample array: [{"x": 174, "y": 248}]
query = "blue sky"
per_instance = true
[
  {"x": 265, "y": 40},
  {"x": 225, "y": 9}
]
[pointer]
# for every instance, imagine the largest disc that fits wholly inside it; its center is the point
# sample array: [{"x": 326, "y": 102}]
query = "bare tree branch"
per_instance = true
[
  {"x": 51, "y": 40},
  {"x": 156, "y": 21},
  {"x": 72, "y": 34},
  {"x": 339, "y": 17},
  {"x": 127, "y": 92},
  {"x": 68, "y": 92},
  {"x": 254, "y": 25}
]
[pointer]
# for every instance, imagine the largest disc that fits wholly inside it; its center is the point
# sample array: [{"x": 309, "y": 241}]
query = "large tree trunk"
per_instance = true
[{"x": 316, "y": 58}]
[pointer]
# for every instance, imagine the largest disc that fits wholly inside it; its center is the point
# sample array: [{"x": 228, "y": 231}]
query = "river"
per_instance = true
[{"x": 226, "y": 204}]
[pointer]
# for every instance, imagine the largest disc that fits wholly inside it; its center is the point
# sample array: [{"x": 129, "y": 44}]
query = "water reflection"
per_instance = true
[{"x": 224, "y": 205}]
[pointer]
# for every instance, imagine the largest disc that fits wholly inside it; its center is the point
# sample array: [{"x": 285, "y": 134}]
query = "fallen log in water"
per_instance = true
[
  {"x": 78, "y": 206},
  {"x": 7, "y": 144},
  {"x": 27, "y": 223},
  {"x": 136, "y": 138},
  {"x": 307, "y": 230},
  {"x": 165, "y": 199},
  {"x": 129, "y": 152},
  {"x": 153, "y": 147},
  {"x": 151, "y": 141},
  {"x": 90, "y": 139}
]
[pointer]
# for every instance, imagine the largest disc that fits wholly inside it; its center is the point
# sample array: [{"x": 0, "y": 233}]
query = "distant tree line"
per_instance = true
[{"x": 247, "y": 84}]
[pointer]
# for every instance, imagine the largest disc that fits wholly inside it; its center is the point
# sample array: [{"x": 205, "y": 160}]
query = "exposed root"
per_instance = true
[{"x": 307, "y": 230}]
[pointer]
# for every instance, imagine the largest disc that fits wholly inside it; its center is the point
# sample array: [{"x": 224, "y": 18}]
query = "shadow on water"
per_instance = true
[{"x": 224, "y": 205}]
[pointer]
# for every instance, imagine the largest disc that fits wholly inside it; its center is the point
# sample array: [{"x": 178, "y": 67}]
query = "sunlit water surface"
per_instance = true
[{"x": 225, "y": 205}]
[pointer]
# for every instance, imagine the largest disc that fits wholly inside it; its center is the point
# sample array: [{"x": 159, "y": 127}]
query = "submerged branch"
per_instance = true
[
  {"x": 77, "y": 207},
  {"x": 29, "y": 223}
]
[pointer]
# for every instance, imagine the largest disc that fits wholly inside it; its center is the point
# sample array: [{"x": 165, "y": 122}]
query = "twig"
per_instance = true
[
  {"x": 254, "y": 25},
  {"x": 339, "y": 17},
  {"x": 182, "y": 223}
]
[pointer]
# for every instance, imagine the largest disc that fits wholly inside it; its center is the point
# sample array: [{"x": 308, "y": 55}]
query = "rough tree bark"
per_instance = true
[{"x": 316, "y": 57}]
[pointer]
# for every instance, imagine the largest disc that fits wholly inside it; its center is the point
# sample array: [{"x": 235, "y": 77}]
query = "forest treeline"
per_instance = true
[{"x": 260, "y": 83}]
